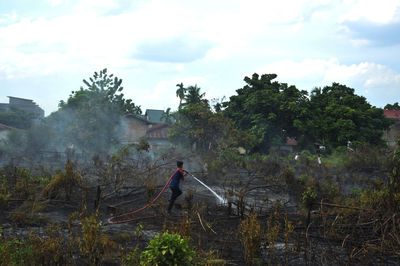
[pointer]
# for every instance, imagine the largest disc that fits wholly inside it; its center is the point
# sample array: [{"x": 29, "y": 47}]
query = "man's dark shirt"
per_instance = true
[{"x": 176, "y": 179}]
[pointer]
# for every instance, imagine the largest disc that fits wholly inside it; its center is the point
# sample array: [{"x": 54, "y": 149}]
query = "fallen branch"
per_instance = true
[{"x": 342, "y": 206}]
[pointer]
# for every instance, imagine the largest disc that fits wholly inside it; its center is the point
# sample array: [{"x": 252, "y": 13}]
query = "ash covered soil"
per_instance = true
[{"x": 286, "y": 232}]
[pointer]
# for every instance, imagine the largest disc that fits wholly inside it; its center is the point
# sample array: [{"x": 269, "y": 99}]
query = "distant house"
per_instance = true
[
  {"x": 289, "y": 146},
  {"x": 149, "y": 126},
  {"x": 4, "y": 130},
  {"x": 392, "y": 135},
  {"x": 134, "y": 127},
  {"x": 25, "y": 105},
  {"x": 157, "y": 136}
]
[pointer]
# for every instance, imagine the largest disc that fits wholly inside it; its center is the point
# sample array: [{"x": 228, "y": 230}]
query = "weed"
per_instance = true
[
  {"x": 188, "y": 204},
  {"x": 150, "y": 189},
  {"x": 4, "y": 197},
  {"x": 63, "y": 182},
  {"x": 309, "y": 197},
  {"x": 250, "y": 236},
  {"x": 288, "y": 230},
  {"x": 23, "y": 188},
  {"x": 241, "y": 200},
  {"x": 139, "y": 231},
  {"x": 288, "y": 176},
  {"x": 132, "y": 258},
  {"x": 273, "y": 227},
  {"x": 15, "y": 252},
  {"x": 184, "y": 227},
  {"x": 50, "y": 250},
  {"x": 93, "y": 244},
  {"x": 29, "y": 213},
  {"x": 209, "y": 258}
]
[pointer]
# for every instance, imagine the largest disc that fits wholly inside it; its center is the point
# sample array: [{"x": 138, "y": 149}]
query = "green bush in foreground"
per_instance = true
[{"x": 168, "y": 249}]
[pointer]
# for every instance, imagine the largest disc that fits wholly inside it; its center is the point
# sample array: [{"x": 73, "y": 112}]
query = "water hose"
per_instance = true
[{"x": 110, "y": 220}]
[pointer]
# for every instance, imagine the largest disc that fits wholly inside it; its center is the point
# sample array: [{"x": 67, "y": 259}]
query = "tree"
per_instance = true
[
  {"x": 267, "y": 109},
  {"x": 96, "y": 113},
  {"x": 336, "y": 115},
  {"x": 193, "y": 96},
  {"x": 197, "y": 125},
  {"x": 167, "y": 116},
  {"x": 394, "y": 106},
  {"x": 180, "y": 92},
  {"x": 17, "y": 118},
  {"x": 105, "y": 89},
  {"x": 89, "y": 120}
]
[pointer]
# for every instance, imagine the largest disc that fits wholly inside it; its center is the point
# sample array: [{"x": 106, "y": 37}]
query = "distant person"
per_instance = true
[
  {"x": 174, "y": 185},
  {"x": 296, "y": 157},
  {"x": 319, "y": 160}
]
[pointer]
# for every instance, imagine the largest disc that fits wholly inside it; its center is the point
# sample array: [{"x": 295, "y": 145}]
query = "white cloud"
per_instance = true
[
  {"x": 92, "y": 34},
  {"x": 164, "y": 93},
  {"x": 54, "y": 3},
  {"x": 382, "y": 12},
  {"x": 378, "y": 83}
]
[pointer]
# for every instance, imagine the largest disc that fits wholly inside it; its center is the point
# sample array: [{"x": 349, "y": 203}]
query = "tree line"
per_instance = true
[
  {"x": 262, "y": 114},
  {"x": 265, "y": 112}
]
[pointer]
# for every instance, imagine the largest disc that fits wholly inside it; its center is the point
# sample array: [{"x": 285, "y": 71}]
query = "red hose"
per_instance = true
[{"x": 141, "y": 209}]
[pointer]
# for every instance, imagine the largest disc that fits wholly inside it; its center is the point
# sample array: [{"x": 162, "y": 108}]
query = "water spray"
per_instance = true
[
  {"x": 220, "y": 199},
  {"x": 111, "y": 219}
]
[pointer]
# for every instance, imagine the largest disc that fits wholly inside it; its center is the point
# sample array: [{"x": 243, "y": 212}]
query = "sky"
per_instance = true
[{"x": 47, "y": 47}]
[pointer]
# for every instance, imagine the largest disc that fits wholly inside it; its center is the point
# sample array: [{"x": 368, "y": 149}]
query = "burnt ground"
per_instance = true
[{"x": 211, "y": 226}]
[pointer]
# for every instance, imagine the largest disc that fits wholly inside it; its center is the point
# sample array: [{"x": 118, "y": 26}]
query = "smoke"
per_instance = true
[{"x": 80, "y": 132}]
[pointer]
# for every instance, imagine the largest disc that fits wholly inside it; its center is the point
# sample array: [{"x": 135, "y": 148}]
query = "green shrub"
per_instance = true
[
  {"x": 143, "y": 145},
  {"x": 309, "y": 197},
  {"x": 15, "y": 252},
  {"x": 168, "y": 249}
]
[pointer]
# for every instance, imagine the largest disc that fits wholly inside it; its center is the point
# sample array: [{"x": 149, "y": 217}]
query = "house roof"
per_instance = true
[
  {"x": 5, "y": 127},
  {"x": 154, "y": 116},
  {"x": 158, "y": 131},
  {"x": 139, "y": 117},
  {"x": 392, "y": 114},
  {"x": 22, "y": 99},
  {"x": 291, "y": 141}
]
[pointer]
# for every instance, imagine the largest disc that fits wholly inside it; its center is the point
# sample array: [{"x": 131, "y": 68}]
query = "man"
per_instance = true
[{"x": 174, "y": 184}]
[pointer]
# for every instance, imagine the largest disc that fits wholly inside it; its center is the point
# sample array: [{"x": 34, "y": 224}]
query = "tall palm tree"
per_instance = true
[
  {"x": 180, "y": 92},
  {"x": 193, "y": 95},
  {"x": 167, "y": 116}
]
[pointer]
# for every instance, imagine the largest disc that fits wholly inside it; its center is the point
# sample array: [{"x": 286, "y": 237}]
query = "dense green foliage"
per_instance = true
[
  {"x": 17, "y": 118},
  {"x": 332, "y": 116},
  {"x": 264, "y": 113},
  {"x": 337, "y": 115},
  {"x": 167, "y": 249},
  {"x": 394, "y": 106},
  {"x": 197, "y": 125},
  {"x": 267, "y": 109}
]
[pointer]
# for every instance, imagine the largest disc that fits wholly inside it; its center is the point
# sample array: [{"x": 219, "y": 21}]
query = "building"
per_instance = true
[
  {"x": 157, "y": 136},
  {"x": 289, "y": 146},
  {"x": 392, "y": 135},
  {"x": 25, "y": 105},
  {"x": 149, "y": 126}
]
